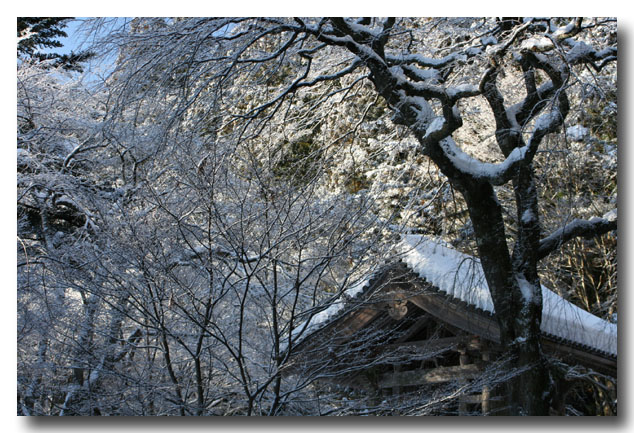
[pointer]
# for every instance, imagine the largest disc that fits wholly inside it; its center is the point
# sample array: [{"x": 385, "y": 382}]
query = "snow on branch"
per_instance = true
[
  {"x": 426, "y": 62},
  {"x": 579, "y": 52},
  {"x": 496, "y": 174},
  {"x": 548, "y": 42},
  {"x": 584, "y": 53},
  {"x": 545, "y": 124},
  {"x": 577, "y": 228}
]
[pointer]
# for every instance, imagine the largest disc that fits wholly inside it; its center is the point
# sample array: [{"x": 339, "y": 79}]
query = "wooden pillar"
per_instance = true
[
  {"x": 462, "y": 402},
  {"x": 396, "y": 390},
  {"x": 486, "y": 391}
]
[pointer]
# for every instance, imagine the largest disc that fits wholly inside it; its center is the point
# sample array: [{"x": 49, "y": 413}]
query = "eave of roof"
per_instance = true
[{"x": 459, "y": 277}]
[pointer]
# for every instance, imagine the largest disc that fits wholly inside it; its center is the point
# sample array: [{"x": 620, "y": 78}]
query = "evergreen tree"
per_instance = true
[{"x": 35, "y": 33}]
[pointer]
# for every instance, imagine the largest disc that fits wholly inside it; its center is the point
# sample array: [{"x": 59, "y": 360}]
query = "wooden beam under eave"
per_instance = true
[
  {"x": 434, "y": 375},
  {"x": 434, "y": 344},
  {"x": 458, "y": 316},
  {"x": 564, "y": 352},
  {"x": 415, "y": 328},
  {"x": 358, "y": 320}
]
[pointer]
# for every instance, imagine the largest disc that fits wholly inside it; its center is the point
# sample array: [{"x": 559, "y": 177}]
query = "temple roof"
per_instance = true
[{"x": 458, "y": 278}]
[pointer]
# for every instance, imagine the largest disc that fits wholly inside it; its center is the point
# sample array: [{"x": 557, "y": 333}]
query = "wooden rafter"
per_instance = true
[{"x": 429, "y": 376}]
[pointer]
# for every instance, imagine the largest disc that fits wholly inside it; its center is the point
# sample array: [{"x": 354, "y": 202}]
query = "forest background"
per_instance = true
[{"x": 9, "y": 167}]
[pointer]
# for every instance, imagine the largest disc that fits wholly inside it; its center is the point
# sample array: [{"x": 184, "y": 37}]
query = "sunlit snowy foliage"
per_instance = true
[{"x": 183, "y": 218}]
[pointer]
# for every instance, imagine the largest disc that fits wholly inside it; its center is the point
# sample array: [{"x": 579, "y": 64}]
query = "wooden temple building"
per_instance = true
[{"x": 417, "y": 326}]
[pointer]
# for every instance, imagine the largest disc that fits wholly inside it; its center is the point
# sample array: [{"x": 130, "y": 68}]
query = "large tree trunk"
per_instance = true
[
  {"x": 519, "y": 316},
  {"x": 518, "y": 313}
]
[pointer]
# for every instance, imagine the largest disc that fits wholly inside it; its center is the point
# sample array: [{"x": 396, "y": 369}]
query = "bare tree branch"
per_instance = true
[{"x": 574, "y": 229}]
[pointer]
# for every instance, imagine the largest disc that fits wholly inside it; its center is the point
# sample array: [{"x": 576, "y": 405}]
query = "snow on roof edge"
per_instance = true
[
  {"x": 460, "y": 275},
  {"x": 325, "y": 316}
]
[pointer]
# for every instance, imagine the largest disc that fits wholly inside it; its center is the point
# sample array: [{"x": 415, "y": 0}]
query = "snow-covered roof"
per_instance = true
[
  {"x": 460, "y": 276},
  {"x": 324, "y": 317}
]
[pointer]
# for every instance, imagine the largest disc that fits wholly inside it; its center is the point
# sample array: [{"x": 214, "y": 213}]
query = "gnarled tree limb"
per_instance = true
[{"x": 576, "y": 228}]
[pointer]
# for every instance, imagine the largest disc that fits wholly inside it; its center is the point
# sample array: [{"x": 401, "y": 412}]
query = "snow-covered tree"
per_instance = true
[
  {"x": 38, "y": 33},
  {"x": 247, "y": 170}
]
